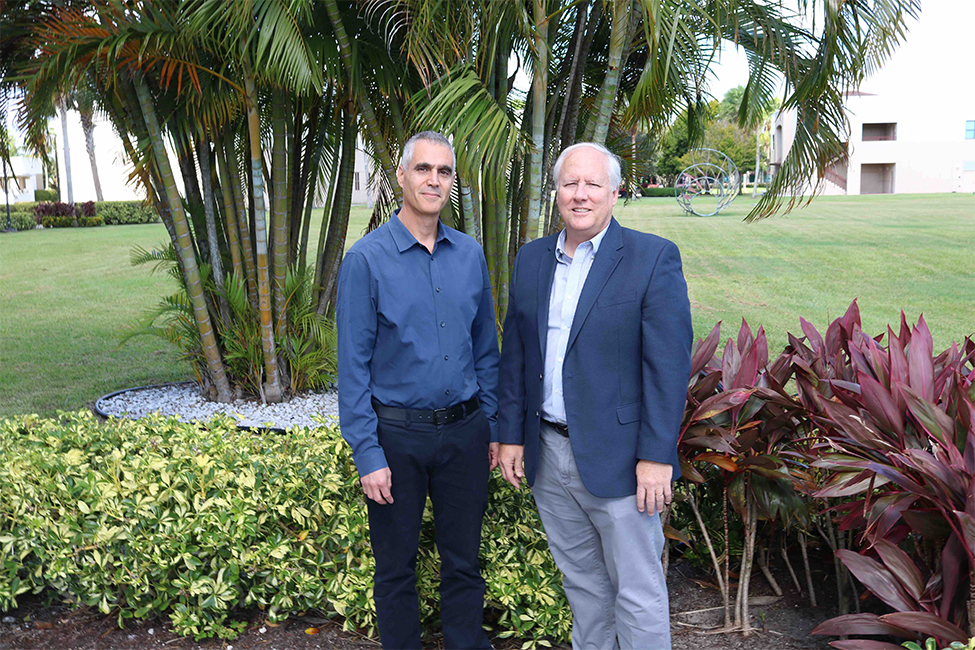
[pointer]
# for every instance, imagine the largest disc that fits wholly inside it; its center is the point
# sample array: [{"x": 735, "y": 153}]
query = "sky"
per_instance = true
[{"x": 935, "y": 63}]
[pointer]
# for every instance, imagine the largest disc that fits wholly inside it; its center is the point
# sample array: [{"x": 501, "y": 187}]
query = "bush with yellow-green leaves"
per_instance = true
[{"x": 197, "y": 522}]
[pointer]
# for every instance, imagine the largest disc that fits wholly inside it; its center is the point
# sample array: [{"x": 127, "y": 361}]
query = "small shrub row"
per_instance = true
[
  {"x": 657, "y": 192},
  {"x": 19, "y": 220},
  {"x": 157, "y": 517},
  {"x": 68, "y": 222},
  {"x": 115, "y": 213},
  {"x": 45, "y": 195}
]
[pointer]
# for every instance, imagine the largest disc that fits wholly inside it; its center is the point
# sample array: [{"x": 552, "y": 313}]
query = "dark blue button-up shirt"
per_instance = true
[{"x": 415, "y": 330}]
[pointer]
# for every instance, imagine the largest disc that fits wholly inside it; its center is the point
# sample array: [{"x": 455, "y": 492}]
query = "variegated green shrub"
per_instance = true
[{"x": 158, "y": 517}]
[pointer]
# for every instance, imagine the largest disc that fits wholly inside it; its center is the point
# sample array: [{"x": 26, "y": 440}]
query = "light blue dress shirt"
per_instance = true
[
  {"x": 415, "y": 330},
  {"x": 570, "y": 277}
]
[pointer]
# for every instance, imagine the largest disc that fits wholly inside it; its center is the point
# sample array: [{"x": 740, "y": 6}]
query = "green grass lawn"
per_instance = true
[{"x": 66, "y": 295}]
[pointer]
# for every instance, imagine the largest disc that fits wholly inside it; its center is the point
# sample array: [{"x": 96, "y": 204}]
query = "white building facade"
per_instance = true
[
  {"x": 896, "y": 147},
  {"x": 912, "y": 125},
  {"x": 26, "y": 176}
]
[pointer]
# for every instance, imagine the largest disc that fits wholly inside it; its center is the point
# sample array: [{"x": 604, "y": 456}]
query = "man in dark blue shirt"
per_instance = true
[{"x": 418, "y": 370}]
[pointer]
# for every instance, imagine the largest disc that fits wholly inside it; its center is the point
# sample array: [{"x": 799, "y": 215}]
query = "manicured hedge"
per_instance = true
[
  {"x": 19, "y": 220},
  {"x": 657, "y": 192},
  {"x": 157, "y": 517},
  {"x": 45, "y": 195},
  {"x": 125, "y": 212}
]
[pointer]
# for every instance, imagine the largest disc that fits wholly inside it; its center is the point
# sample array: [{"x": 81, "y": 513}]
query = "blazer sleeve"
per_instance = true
[
  {"x": 666, "y": 334},
  {"x": 511, "y": 379}
]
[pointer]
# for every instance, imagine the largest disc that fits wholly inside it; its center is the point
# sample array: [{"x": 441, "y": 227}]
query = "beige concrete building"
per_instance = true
[{"x": 912, "y": 125}]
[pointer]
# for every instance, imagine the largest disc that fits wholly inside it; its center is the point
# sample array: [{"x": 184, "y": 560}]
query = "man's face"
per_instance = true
[
  {"x": 427, "y": 181},
  {"x": 585, "y": 195}
]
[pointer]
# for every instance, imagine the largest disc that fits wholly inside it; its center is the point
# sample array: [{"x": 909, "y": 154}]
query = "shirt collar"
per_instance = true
[
  {"x": 595, "y": 241},
  {"x": 405, "y": 240}
]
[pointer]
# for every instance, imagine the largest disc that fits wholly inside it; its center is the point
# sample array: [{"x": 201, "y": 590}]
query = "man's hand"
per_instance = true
[
  {"x": 494, "y": 452},
  {"x": 510, "y": 461},
  {"x": 378, "y": 485},
  {"x": 653, "y": 491}
]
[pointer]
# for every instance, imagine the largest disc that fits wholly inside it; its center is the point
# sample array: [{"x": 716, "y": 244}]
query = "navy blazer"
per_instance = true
[{"x": 627, "y": 363}]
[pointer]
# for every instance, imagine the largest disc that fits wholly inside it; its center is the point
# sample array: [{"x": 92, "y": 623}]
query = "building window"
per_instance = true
[
  {"x": 970, "y": 130},
  {"x": 879, "y": 132},
  {"x": 357, "y": 181}
]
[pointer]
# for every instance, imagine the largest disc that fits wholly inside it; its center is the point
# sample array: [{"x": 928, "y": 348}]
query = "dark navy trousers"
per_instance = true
[{"x": 450, "y": 462}]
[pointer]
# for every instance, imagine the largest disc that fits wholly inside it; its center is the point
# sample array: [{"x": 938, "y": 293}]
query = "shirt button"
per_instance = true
[
  {"x": 447, "y": 392},
  {"x": 441, "y": 324},
  {"x": 536, "y": 414},
  {"x": 541, "y": 377},
  {"x": 445, "y": 357},
  {"x": 438, "y": 289}
]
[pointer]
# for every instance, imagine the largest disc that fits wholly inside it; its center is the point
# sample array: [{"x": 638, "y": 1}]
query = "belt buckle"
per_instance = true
[{"x": 437, "y": 413}]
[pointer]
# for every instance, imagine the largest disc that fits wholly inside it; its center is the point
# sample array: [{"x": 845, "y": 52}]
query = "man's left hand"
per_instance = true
[
  {"x": 494, "y": 454},
  {"x": 653, "y": 491}
]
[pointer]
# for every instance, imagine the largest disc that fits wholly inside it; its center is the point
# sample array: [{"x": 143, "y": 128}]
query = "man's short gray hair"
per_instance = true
[
  {"x": 429, "y": 136},
  {"x": 613, "y": 169}
]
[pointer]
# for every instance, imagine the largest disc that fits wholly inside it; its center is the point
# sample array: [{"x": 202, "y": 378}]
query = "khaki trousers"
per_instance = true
[{"x": 609, "y": 554}]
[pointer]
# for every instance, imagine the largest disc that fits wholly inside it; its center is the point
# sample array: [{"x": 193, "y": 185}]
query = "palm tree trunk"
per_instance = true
[
  {"x": 216, "y": 262},
  {"x": 279, "y": 175},
  {"x": 539, "y": 90},
  {"x": 194, "y": 284},
  {"x": 338, "y": 224},
  {"x": 575, "y": 101},
  {"x": 229, "y": 209},
  {"x": 88, "y": 126},
  {"x": 758, "y": 158},
  {"x": 606, "y": 99},
  {"x": 362, "y": 98},
  {"x": 243, "y": 220},
  {"x": 323, "y": 231},
  {"x": 469, "y": 202},
  {"x": 272, "y": 387},
  {"x": 67, "y": 153}
]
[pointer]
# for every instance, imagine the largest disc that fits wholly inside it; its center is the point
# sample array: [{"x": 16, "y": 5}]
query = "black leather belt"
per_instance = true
[
  {"x": 561, "y": 429},
  {"x": 435, "y": 416}
]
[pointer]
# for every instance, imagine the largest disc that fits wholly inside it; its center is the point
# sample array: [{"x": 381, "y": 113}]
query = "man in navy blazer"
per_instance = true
[{"x": 595, "y": 361}]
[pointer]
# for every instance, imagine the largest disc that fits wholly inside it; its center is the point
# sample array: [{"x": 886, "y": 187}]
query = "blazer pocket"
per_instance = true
[
  {"x": 629, "y": 413},
  {"x": 616, "y": 298}
]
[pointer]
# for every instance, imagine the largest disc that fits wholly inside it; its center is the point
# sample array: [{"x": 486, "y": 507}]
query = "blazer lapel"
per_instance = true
[
  {"x": 607, "y": 258},
  {"x": 546, "y": 275}
]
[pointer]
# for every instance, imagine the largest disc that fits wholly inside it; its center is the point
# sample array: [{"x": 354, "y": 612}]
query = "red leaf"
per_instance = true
[
  {"x": 704, "y": 351},
  {"x": 901, "y": 565},
  {"x": 747, "y": 371},
  {"x": 920, "y": 363},
  {"x": 858, "y": 624},
  {"x": 812, "y": 336},
  {"x": 721, "y": 402},
  {"x": 745, "y": 337},
  {"x": 967, "y": 528},
  {"x": 690, "y": 472},
  {"x": 717, "y": 459},
  {"x": 935, "y": 421},
  {"x": 881, "y": 404},
  {"x": 864, "y": 644},
  {"x": 878, "y": 580},
  {"x": 845, "y": 484},
  {"x": 926, "y": 623},
  {"x": 730, "y": 362}
]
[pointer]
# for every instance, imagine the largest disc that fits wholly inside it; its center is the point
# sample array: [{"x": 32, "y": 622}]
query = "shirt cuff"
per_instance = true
[{"x": 370, "y": 460}]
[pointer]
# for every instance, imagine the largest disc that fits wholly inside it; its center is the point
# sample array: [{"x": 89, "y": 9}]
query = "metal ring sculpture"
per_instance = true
[{"x": 709, "y": 184}]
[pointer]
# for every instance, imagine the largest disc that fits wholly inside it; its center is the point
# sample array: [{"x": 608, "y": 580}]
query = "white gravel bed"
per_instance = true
[{"x": 185, "y": 402}]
